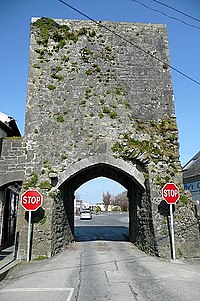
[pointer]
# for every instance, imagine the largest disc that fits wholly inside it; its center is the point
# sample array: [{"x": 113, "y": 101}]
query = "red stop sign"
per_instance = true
[
  {"x": 170, "y": 193},
  {"x": 31, "y": 200}
]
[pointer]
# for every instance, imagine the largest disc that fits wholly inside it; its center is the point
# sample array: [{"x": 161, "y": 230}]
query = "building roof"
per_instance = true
[
  {"x": 8, "y": 124},
  {"x": 192, "y": 168},
  {"x": 5, "y": 118}
]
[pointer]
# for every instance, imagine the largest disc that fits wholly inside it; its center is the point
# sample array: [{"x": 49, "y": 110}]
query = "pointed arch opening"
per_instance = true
[{"x": 139, "y": 206}]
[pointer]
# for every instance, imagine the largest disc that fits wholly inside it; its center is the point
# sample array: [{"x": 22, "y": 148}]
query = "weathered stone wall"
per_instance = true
[
  {"x": 93, "y": 94},
  {"x": 12, "y": 166},
  {"x": 89, "y": 89},
  {"x": 12, "y": 160}
]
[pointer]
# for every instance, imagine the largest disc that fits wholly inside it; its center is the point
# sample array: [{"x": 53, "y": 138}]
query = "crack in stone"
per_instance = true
[
  {"x": 79, "y": 277},
  {"x": 117, "y": 268},
  {"x": 135, "y": 295},
  {"x": 106, "y": 277}
]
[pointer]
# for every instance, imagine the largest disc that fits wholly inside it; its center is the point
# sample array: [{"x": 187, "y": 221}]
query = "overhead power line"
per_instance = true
[
  {"x": 164, "y": 14},
  {"x": 128, "y": 41},
  {"x": 175, "y": 9}
]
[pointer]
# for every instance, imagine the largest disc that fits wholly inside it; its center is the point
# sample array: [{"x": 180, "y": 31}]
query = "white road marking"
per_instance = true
[
  {"x": 70, "y": 294},
  {"x": 42, "y": 289}
]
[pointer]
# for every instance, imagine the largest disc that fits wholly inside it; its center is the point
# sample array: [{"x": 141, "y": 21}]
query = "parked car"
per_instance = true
[{"x": 86, "y": 214}]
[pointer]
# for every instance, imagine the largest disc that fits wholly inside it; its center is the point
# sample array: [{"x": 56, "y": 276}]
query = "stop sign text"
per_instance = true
[
  {"x": 31, "y": 200},
  {"x": 170, "y": 193}
]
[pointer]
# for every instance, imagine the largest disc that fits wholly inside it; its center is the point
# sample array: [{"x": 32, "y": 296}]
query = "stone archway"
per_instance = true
[
  {"x": 131, "y": 169},
  {"x": 140, "y": 232}
]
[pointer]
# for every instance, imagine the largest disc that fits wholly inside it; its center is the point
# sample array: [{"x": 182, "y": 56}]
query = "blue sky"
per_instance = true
[{"x": 184, "y": 45}]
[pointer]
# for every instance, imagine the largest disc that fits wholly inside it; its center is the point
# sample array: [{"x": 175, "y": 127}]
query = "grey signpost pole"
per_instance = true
[
  {"x": 29, "y": 236},
  {"x": 172, "y": 232}
]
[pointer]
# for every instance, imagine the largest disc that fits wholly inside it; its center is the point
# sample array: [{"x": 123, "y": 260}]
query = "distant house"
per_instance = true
[
  {"x": 191, "y": 178},
  {"x": 77, "y": 206},
  {"x": 9, "y": 195},
  {"x": 8, "y": 126}
]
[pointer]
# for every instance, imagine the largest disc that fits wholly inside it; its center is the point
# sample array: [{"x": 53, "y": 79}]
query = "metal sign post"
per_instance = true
[
  {"x": 172, "y": 232},
  {"x": 29, "y": 236}
]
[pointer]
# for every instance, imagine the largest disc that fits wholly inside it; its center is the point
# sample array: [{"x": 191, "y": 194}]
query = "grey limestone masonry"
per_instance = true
[
  {"x": 12, "y": 160},
  {"x": 100, "y": 104}
]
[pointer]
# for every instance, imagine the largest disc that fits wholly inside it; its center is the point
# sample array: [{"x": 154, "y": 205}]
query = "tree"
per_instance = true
[
  {"x": 121, "y": 200},
  {"x": 107, "y": 198}
]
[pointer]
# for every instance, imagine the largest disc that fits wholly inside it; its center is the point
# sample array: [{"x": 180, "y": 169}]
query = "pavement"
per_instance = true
[
  {"x": 7, "y": 261},
  {"x": 101, "y": 271}
]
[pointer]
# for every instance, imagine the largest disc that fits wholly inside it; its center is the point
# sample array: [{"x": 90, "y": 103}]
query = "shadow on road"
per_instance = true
[{"x": 108, "y": 233}]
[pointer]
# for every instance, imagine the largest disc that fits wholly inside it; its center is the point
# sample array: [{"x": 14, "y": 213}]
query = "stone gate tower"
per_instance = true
[{"x": 99, "y": 103}]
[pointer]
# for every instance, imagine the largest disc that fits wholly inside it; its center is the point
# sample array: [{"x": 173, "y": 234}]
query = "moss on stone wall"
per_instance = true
[
  {"x": 14, "y": 138},
  {"x": 31, "y": 182},
  {"x": 160, "y": 140},
  {"x": 48, "y": 28},
  {"x": 45, "y": 185}
]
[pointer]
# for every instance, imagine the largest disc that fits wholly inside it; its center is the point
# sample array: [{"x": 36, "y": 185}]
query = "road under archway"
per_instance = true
[{"x": 140, "y": 227}]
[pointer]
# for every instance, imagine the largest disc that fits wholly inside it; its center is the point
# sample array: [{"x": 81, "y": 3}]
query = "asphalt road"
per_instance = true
[
  {"x": 102, "y": 269},
  {"x": 110, "y": 227}
]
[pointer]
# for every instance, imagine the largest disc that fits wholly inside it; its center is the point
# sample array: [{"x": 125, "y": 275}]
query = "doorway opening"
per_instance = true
[
  {"x": 101, "y": 211},
  {"x": 9, "y": 199},
  {"x": 140, "y": 225}
]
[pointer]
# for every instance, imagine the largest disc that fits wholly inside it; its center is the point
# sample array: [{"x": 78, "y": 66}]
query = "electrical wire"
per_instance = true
[
  {"x": 175, "y": 9},
  {"x": 166, "y": 15},
  {"x": 133, "y": 44}
]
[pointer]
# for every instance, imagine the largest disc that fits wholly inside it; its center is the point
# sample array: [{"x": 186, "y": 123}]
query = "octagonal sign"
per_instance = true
[
  {"x": 170, "y": 193},
  {"x": 31, "y": 200}
]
